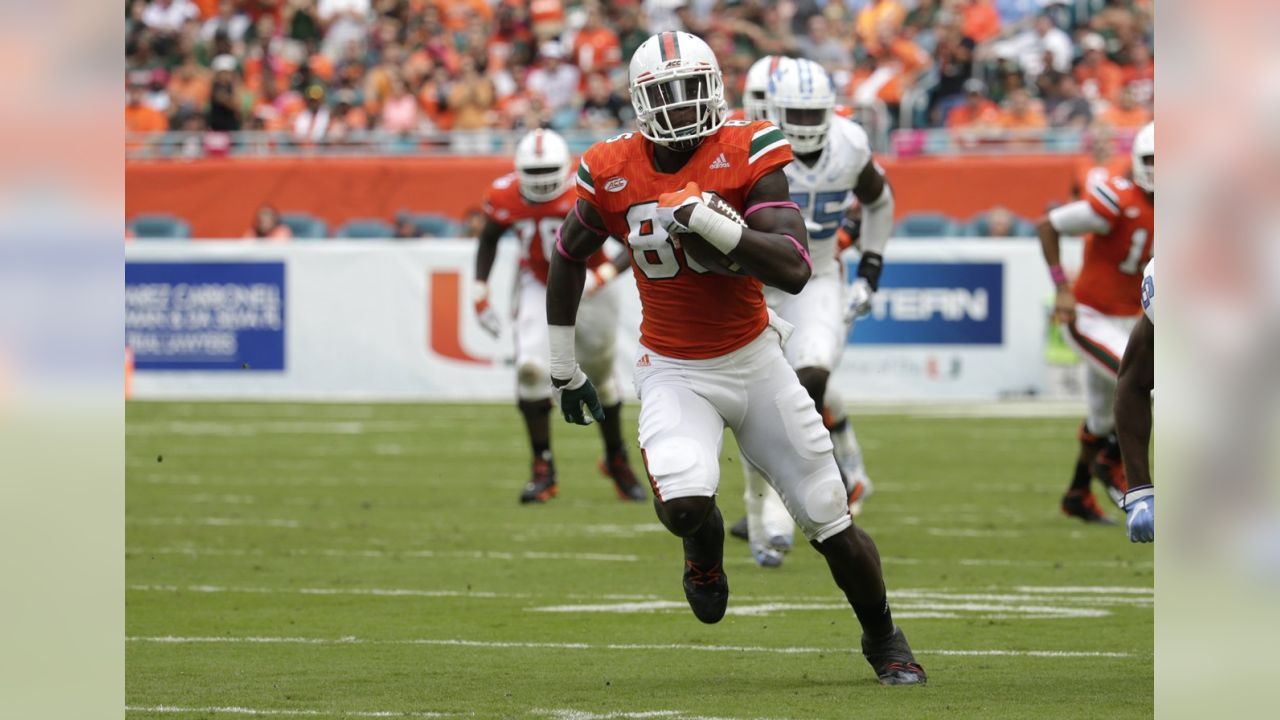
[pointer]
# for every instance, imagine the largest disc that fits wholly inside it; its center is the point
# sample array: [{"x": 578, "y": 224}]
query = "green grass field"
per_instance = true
[{"x": 292, "y": 560}]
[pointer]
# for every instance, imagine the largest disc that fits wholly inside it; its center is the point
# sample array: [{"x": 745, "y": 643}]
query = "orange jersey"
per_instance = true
[
  {"x": 1111, "y": 278},
  {"x": 688, "y": 312},
  {"x": 535, "y": 224}
]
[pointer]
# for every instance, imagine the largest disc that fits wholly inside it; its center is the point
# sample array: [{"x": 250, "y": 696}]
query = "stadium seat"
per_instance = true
[
  {"x": 160, "y": 226},
  {"x": 365, "y": 229},
  {"x": 926, "y": 225},
  {"x": 431, "y": 224},
  {"x": 305, "y": 226},
  {"x": 979, "y": 226}
]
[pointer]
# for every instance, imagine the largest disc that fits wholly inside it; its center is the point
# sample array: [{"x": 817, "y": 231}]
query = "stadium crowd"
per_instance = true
[{"x": 334, "y": 70}]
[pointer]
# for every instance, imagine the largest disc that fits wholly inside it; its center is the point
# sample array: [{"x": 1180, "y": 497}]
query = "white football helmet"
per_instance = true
[
  {"x": 754, "y": 94},
  {"x": 677, "y": 90},
  {"x": 543, "y": 165},
  {"x": 1144, "y": 158},
  {"x": 800, "y": 99}
]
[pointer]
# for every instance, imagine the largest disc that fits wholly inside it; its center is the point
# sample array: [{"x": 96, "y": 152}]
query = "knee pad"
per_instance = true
[
  {"x": 533, "y": 382},
  {"x": 803, "y": 424},
  {"x": 824, "y": 509},
  {"x": 679, "y": 469}
]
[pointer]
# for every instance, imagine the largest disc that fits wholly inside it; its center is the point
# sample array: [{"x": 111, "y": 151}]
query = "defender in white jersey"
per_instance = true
[
  {"x": 833, "y": 165},
  {"x": 1134, "y": 385}
]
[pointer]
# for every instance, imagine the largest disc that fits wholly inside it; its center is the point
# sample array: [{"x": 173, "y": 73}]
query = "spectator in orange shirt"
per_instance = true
[
  {"x": 267, "y": 225},
  {"x": 878, "y": 14},
  {"x": 138, "y": 116},
  {"x": 976, "y": 111},
  {"x": 455, "y": 14},
  {"x": 981, "y": 21},
  {"x": 596, "y": 47},
  {"x": 1139, "y": 76},
  {"x": 1125, "y": 112},
  {"x": 1021, "y": 112},
  {"x": 1099, "y": 78}
]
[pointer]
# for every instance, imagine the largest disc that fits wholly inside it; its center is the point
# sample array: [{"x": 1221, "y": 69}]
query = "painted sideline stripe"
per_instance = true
[
  {"x": 339, "y": 552},
  {"x": 500, "y": 644},
  {"x": 282, "y": 712},
  {"x": 381, "y": 592}
]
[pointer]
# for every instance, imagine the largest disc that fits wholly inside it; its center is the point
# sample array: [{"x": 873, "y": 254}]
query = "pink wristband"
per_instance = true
[
  {"x": 565, "y": 253},
  {"x": 1057, "y": 274},
  {"x": 763, "y": 205},
  {"x": 804, "y": 252},
  {"x": 586, "y": 224}
]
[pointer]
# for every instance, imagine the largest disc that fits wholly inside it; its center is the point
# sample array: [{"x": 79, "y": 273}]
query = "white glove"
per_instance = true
[
  {"x": 485, "y": 315},
  {"x": 858, "y": 300},
  {"x": 598, "y": 277},
  {"x": 1140, "y": 511},
  {"x": 669, "y": 203}
]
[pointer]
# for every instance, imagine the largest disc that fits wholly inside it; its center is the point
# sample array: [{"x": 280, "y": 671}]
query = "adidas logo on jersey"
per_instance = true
[
  {"x": 720, "y": 163},
  {"x": 643, "y": 361}
]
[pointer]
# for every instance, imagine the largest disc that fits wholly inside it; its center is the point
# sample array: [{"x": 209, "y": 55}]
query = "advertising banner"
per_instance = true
[{"x": 335, "y": 320}]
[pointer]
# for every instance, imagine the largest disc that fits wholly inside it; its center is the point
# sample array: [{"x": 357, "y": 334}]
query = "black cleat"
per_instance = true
[
  {"x": 1082, "y": 504},
  {"x": 618, "y": 468},
  {"x": 739, "y": 530},
  {"x": 542, "y": 485},
  {"x": 892, "y": 660},
  {"x": 707, "y": 590}
]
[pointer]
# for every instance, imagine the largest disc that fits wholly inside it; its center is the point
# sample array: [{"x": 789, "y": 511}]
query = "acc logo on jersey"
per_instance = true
[{"x": 615, "y": 184}]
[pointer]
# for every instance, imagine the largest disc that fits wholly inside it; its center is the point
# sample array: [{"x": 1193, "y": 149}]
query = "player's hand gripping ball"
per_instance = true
[{"x": 674, "y": 212}]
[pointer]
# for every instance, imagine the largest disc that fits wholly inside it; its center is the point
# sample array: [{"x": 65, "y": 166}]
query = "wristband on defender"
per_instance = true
[
  {"x": 1142, "y": 492},
  {"x": 869, "y": 268},
  {"x": 1057, "y": 274},
  {"x": 723, "y": 234}
]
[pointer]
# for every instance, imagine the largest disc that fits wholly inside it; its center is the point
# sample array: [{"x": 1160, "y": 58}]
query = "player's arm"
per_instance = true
[
  {"x": 876, "y": 198},
  {"x": 774, "y": 245},
  {"x": 604, "y": 273},
  {"x": 1133, "y": 427},
  {"x": 1076, "y": 218},
  {"x": 580, "y": 236},
  {"x": 490, "y": 234}
]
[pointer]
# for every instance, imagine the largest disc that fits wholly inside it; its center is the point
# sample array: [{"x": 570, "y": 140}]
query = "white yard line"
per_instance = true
[
  {"x": 498, "y": 644},
  {"x": 215, "y": 522},
  {"x": 282, "y": 712},
  {"x": 194, "y": 551},
  {"x": 378, "y": 592}
]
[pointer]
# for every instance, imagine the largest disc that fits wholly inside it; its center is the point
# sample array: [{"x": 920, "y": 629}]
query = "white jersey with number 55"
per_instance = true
[{"x": 824, "y": 192}]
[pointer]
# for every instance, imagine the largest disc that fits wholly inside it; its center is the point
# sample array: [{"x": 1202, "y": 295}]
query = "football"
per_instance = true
[{"x": 703, "y": 254}]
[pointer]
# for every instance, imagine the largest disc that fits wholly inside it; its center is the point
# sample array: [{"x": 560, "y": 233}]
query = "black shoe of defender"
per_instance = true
[
  {"x": 707, "y": 590},
  {"x": 739, "y": 530},
  {"x": 892, "y": 660}
]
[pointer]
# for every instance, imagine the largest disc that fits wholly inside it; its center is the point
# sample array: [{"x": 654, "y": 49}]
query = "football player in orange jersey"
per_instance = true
[
  {"x": 533, "y": 201},
  {"x": 1098, "y": 312},
  {"x": 710, "y": 352}
]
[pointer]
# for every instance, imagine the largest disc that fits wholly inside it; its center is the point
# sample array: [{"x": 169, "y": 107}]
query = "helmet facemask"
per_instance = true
[
  {"x": 804, "y": 123},
  {"x": 542, "y": 183},
  {"x": 755, "y": 105},
  {"x": 679, "y": 106}
]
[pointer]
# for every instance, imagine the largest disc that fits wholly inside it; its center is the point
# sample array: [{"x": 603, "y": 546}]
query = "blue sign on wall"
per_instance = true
[
  {"x": 205, "y": 316},
  {"x": 935, "y": 304}
]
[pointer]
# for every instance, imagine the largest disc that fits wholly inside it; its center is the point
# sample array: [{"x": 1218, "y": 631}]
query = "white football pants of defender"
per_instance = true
[
  {"x": 1099, "y": 339},
  {"x": 817, "y": 312},
  {"x": 686, "y": 404},
  {"x": 595, "y": 340}
]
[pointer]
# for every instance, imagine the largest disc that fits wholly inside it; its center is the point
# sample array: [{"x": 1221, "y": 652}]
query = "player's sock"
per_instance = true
[
  {"x": 1090, "y": 444},
  {"x": 611, "y": 429},
  {"x": 876, "y": 618},
  {"x": 537, "y": 421},
  {"x": 705, "y": 546}
]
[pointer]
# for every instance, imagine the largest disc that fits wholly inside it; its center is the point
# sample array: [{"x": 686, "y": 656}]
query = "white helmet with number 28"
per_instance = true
[
  {"x": 677, "y": 90},
  {"x": 801, "y": 97},
  {"x": 1144, "y": 158},
  {"x": 543, "y": 165}
]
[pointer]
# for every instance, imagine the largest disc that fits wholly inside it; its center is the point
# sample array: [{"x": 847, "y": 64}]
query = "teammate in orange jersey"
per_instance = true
[
  {"x": 533, "y": 201},
  {"x": 1117, "y": 219},
  {"x": 711, "y": 353}
]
